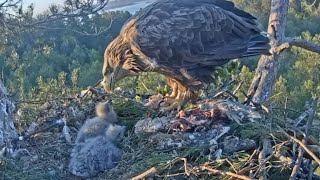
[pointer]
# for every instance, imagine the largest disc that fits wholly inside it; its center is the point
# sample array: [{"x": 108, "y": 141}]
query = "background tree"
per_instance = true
[
  {"x": 268, "y": 67},
  {"x": 19, "y": 41}
]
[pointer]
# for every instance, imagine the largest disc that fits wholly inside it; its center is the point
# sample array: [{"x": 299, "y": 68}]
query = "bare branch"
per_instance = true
[
  {"x": 299, "y": 160},
  {"x": 3, "y": 4},
  {"x": 145, "y": 174},
  {"x": 312, "y": 154},
  {"x": 7, "y": 4},
  {"x": 69, "y": 10},
  {"x": 302, "y": 144},
  {"x": 302, "y": 43},
  {"x": 263, "y": 159},
  {"x": 311, "y": 114},
  {"x": 220, "y": 172}
]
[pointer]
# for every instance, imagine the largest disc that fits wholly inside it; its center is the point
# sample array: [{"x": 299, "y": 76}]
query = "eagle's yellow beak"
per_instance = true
[{"x": 108, "y": 83}]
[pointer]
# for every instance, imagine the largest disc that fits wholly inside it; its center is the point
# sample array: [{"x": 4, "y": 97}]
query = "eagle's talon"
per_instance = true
[{"x": 170, "y": 104}]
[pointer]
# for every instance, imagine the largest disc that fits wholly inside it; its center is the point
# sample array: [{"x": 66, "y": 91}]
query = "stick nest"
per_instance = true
[{"x": 218, "y": 139}]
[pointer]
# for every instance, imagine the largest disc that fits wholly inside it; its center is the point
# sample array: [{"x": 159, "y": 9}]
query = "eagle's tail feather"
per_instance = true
[{"x": 258, "y": 44}]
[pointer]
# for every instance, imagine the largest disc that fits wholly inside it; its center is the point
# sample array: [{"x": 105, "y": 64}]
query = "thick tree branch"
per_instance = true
[
  {"x": 268, "y": 67},
  {"x": 302, "y": 43}
]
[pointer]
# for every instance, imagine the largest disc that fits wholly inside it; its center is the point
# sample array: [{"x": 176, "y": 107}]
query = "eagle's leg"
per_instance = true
[
  {"x": 179, "y": 98},
  {"x": 174, "y": 85}
]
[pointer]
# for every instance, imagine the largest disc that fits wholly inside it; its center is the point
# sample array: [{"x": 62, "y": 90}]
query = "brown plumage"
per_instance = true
[{"x": 185, "y": 41}]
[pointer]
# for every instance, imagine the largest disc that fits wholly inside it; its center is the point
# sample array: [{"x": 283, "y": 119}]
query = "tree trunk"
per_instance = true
[
  {"x": 7, "y": 129},
  {"x": 268, "y": 67}
]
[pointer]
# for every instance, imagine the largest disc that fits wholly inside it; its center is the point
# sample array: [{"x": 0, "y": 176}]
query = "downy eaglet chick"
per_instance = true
[
  {"x": 97, "y": 154},
  {"x": 97, "y": 126}
]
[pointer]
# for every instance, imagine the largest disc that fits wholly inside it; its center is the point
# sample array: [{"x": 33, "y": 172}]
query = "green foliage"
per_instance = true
[
  {"x": 38, "y": 62},
  {"x": 151, "y": 83},
  {"x": 259, "y": 9},
  {"x": 302, "y": 80},
  {"x": 147, "y": 83},
  {"x": 55, "y": 47}
]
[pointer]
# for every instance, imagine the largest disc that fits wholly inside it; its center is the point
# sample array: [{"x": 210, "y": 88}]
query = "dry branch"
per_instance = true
[
  {"x": 145, "y": 174},
  {"x": 302, "y": 144},
  {"x": 91, "y": 88},
  {"x": 300, "y": 118},
  {"x": 305, "y": 148},
  {"x": 219, "y": 172},
  {"x": 7, "y": 4},
  {"x": 302, "y": 43},
  {"x": 311, "y": 113},
  {"x": 287, "y": 161},
  {"x": 296, "y": 167},
  {"x": 263, "y": 159}
]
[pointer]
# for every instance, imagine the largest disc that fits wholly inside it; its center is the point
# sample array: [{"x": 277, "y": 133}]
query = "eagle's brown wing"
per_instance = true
[{"x": 197, "y": 33}]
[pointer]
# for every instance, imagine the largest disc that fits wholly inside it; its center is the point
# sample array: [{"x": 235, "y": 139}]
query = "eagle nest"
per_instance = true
[{"x": 219, "y": 138}]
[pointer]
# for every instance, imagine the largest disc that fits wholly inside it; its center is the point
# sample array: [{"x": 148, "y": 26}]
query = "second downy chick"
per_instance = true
[{"x": 105, "y": 116}]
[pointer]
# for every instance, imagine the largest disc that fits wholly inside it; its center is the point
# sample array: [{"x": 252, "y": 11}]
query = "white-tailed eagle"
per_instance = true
[{"x": 185, "y": 40}]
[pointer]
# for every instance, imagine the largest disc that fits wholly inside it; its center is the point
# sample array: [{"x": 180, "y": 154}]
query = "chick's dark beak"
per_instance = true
[{"x": 108, "y": 83}]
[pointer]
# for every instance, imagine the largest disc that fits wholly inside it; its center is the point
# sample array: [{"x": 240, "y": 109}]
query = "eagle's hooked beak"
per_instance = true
[{"x": 108, "y": 83}]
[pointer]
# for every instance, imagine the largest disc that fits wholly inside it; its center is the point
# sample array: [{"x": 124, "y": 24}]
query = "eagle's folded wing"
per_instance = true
[{"x": 188, "y": 34}]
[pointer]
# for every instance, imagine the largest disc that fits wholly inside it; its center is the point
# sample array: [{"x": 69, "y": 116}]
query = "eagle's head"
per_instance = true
[{"x": 119, "y": 62}]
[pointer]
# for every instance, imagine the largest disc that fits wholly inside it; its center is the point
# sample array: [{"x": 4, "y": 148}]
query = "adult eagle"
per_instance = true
[{"x": 185, "y": 40}]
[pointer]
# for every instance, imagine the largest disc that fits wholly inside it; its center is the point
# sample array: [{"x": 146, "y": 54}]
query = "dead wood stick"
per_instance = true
[
  {"x": 297, "y": 165},
  {"x": 185, "y": 166},
  {"x": 247, "y": 167},
  {"x": 255, "y": 152},
  {"x": 307, "y": 132},
  {"x": 89, "y": 89},
  {"x": 249, "y": 100},
  {"x": 246, "y": 170},
  {"x": 232, "y": 95},
  {"x": 145, "y": 174},
  {"x": 306, "y": 149},
  {"x": 300, "y": 118},
  {"x": 263, "y": 159},
  {"x": 57, "y": 122},
  {"x": 311, "y": 113},
  {"x": 219, "y": 172},
  {"x": 238, "y": 87},
  {"x": 302, "y": 145},
  {"x": 285, "y": 160}
]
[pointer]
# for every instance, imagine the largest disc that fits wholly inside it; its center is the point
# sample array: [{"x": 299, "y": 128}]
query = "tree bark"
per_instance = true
[
  {"x": 268, "y": 67},
  {"x": 7, "y": 129},
  {"x": 307, "y": 45}
]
